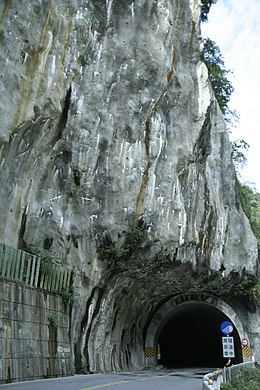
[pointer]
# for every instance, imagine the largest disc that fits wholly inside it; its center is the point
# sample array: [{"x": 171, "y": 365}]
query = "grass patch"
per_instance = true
[{"x": 249, "y": 379}]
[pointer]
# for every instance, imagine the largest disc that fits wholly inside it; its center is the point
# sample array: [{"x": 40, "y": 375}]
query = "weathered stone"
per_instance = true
[{"x": 108, "y": 123}]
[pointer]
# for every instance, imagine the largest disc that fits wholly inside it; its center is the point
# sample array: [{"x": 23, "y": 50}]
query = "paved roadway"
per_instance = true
[{"x": 181, "y": 379}]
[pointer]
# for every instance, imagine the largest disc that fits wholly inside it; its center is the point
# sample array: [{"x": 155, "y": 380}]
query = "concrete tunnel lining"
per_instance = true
[{"x": 180, "y": 304}]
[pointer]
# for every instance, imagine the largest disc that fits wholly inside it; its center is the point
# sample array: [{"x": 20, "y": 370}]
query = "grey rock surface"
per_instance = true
[{"x": 108, "y": 123}]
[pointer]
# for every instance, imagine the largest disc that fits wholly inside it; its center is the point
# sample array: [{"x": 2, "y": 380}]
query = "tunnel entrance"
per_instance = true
[{"x": 192, "y": 337}]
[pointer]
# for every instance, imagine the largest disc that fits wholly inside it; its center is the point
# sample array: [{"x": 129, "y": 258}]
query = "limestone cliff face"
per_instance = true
[{"x": 109, "y": 126}]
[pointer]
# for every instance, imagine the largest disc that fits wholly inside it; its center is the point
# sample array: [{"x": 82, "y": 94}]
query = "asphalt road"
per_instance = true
[{"x": 190, "y": 379}]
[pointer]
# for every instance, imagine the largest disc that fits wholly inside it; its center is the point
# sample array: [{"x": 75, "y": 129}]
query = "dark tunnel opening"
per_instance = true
[{"x": 192, "y": 338}]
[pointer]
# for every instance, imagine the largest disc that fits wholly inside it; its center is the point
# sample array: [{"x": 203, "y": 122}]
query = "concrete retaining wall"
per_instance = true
[{"x": 34, "y": 334}]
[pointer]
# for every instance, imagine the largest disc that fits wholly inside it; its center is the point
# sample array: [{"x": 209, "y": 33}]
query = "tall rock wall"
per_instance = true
[{"x": 115, "y": 156}]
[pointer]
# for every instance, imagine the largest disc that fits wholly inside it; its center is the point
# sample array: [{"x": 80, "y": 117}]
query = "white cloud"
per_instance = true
[{"x": 235, "y": 27}]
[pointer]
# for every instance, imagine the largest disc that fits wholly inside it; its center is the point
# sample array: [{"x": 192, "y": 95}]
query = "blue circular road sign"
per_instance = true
[{"x": 226, "y": 327}]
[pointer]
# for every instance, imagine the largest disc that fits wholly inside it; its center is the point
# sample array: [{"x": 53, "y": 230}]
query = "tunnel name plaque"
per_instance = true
[{"x": 195, "y": 297}]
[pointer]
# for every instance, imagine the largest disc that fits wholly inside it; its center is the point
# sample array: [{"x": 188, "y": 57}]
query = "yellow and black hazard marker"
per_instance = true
[
  {"x": 149, "y": 352},
  {"x": 246, "y": 351}
]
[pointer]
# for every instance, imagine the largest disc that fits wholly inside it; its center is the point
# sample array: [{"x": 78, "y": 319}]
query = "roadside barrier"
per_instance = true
[{"x": 20, "y": 266}]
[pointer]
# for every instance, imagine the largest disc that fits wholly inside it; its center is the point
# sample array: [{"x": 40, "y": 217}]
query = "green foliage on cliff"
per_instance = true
[
  {"x": 250, "y": 201},
  {"x": 249, "y": 379},
  {"x": 223, "y": 89},
  {"x": 48, "y": 259},
  {"x": 247, "y": 287},
  {"x": 205, "y": 8},
  {"x": 255, "y": 292},
  {"x": 54, "y": 320},
  {"x": 134, "y": 240},
  {"x": 218, "y": 76},
  {"x": 239, "y": 148}
]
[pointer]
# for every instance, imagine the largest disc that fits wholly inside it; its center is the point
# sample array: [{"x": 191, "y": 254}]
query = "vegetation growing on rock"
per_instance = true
[
  {"x": 54, "y": 320},
  {"x": 218, "y": 75},
  {"x": 239, "y": 147},
  {"x": 48, "y": 259},
  {"x": 249, "y": 379},
  {"x": 133, "y": 241},
  {"x": 205, "y": 8},
  {"x": 250, "y": 201}
]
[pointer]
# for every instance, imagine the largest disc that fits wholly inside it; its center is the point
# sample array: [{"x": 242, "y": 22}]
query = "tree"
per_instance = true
[
  {"x": 250, "y": 202},
  {"x": 222, "y": 87},
  {"x": 239, "y": 148},
  {"x": 205, "y": 8}
]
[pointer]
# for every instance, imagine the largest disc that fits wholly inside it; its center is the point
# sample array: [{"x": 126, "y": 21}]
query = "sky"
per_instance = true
[{"x": 235, "y": 27}]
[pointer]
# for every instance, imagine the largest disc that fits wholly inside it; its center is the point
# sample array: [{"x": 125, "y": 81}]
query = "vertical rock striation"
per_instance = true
[{"x": 114, "y": 154}]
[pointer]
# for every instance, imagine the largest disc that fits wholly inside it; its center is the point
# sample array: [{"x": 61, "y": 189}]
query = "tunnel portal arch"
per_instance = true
[{"x": 185, "y": 331}]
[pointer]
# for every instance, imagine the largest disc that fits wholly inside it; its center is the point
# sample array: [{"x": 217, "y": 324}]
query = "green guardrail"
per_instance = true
[{"x": 20, "y": 266}]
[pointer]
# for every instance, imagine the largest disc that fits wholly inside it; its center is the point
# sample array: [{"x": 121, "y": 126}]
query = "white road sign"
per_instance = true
[{"x": 228, "y": 347}]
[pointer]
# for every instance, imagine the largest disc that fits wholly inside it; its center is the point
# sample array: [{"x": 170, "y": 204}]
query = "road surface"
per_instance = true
[{"x": 181, "y": 379}]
